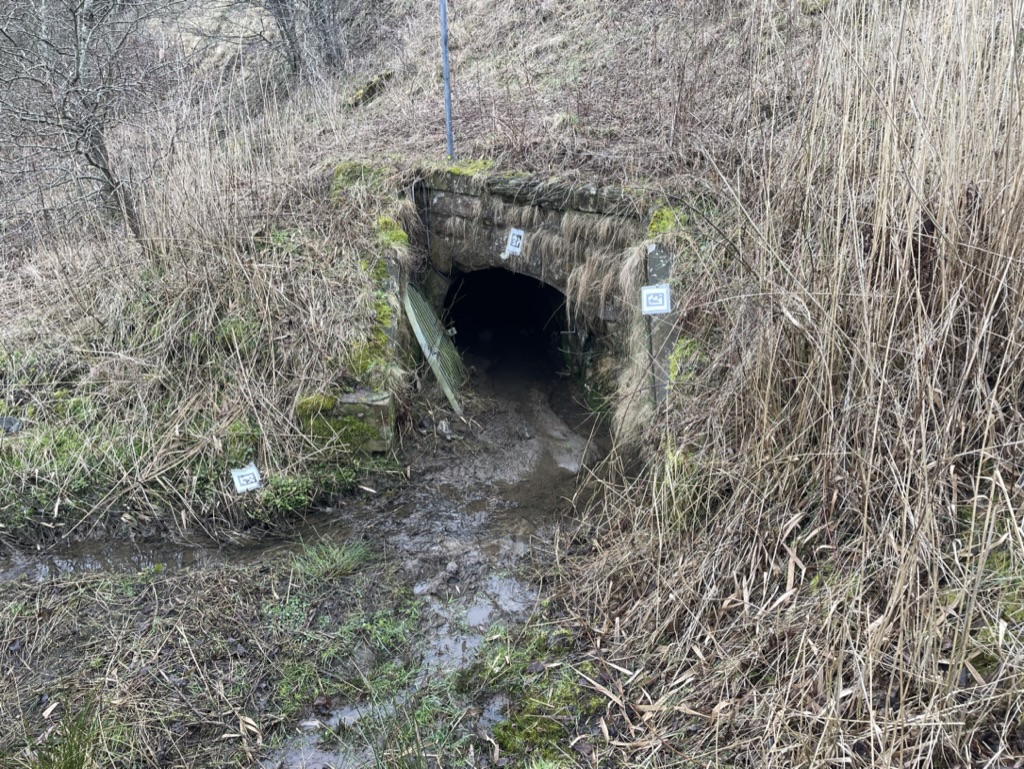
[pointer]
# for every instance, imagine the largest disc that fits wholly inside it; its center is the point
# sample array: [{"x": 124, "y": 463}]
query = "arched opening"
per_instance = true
[{"x": 507, "y": 321}]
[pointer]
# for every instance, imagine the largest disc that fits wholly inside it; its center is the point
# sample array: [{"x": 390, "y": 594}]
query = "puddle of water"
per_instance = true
[
  {"x": 494, "y": 712},
  {"x": 479, "y": 615},
  {"x": 90, "y": 557},
  {"x": 306, "y": 752}
]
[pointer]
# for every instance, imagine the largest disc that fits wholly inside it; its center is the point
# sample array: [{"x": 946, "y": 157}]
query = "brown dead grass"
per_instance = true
[
  {"x": 145, "y": 373},
  {"x": 823, "y": 565}
]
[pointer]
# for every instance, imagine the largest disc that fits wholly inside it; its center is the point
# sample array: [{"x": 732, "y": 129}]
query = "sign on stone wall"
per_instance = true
[
  {"x": 514, "y": 247},
  {"x": 655, "y": 300}
]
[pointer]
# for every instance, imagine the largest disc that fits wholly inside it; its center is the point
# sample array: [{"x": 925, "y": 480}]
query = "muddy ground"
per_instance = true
[{"x": 402, "y": 628}]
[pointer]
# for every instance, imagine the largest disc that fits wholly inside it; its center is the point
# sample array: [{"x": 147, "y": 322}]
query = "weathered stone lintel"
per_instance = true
[
  {"x": 481, "y": 247},
  {"x": 551, "y": 193}
]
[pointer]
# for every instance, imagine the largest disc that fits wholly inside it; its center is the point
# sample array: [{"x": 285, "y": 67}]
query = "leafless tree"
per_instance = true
[{"x": 70, "y": 72}]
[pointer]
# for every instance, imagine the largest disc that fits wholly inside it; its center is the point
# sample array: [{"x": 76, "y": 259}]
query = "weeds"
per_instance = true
[
  {"x": 821, "y": 565},
  {"x": 74, "y": 745},
  {"x": 186, "y": 360},
  {"x": 190, "y": 667},
  {"x": 328, "y": 560}
]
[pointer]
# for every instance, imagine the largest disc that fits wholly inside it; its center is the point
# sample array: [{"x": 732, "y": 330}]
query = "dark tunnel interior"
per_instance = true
[{"x": 507, "y": 319}]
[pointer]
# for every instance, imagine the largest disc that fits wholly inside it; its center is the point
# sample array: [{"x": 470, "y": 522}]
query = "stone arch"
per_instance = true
[{"x": 573, "y": 235}]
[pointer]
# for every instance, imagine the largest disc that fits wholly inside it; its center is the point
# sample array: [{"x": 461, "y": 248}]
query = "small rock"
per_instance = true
[
  {"x": 451, "y": 569},
  {"x": 584, "y": 748},
  {"x": 445, "y": 429},
  {"x": 10, "y": 425},
  {"x": 322, "y": 704}
]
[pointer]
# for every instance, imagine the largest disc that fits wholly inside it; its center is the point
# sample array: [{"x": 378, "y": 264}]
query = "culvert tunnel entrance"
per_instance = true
[
  {"x": 507, "y": 323},
  {"x": 515, "y": 336}
]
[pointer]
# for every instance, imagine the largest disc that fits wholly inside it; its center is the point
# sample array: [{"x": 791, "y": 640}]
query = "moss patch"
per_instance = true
[
  {"x": 390, "y": 232},
  {"x": 550, "y": 697},
  {"x": 666, "y": 219},
  {"x": 351, "y": 174},
  {"x": 241, "y": 442},
  {"x": 369, "y": 90},
  {"x": 685, "y": 361},
  {"x": 236, "y": 333},
  {"x": 286, "y": 494},
  {"x": 321, "y": 417},
  {"x": 470, "y": 167},
  {"x": 316, "y": 414},
  {"x": 314, "y": 405},
  {"x": 368, "y": 361}
]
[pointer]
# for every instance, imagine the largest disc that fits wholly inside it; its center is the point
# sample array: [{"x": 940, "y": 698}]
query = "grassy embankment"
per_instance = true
[
  {"x": 141, "y": 375},
  {"x": 823, "y": 563}
]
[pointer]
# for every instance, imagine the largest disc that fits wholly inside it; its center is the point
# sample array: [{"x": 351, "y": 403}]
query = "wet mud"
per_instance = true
[{"x": 469, "y": 532}]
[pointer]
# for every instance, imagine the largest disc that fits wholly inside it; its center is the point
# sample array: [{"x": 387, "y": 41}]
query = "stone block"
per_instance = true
[
  {"x": 454, "y": 204},
  {"x": 364, "y": 421}
]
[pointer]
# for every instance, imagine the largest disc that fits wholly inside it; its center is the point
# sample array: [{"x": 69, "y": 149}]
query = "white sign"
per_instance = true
[
  {"x": 514, "y": 247},
  {"x": 655, "y": 300},
  {"x": 246, "y": 478}
]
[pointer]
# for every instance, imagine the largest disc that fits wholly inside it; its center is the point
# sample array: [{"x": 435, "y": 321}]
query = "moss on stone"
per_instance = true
[
  {"x": 390, "y": 232},
  {"x": 309, "y": 406},
  {"x": 316, "y": 415},
  {"x": 470, "y": 167},
  {"x": 684, "y": 361},
  {"x": 372, "y": 354},
  {"x": 666, "y": 219}
]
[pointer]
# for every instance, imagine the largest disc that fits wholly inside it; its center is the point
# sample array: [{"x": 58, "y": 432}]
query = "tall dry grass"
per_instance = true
[
  {"x": 144, "y": 372},
  {"x": 824, "y": 566}
]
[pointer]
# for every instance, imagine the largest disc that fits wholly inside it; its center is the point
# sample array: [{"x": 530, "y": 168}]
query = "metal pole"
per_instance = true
[{"x": 447, "y": 81}]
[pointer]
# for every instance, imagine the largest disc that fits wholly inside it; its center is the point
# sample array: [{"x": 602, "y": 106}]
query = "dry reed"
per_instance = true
[{"x": 823, "y": 566}]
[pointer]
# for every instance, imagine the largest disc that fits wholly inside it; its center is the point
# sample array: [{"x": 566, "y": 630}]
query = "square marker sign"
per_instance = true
[
  {"x": 514, "y": 247},
  {"x": 246, "y": 478},
  {"x": 655, "y": 300}
]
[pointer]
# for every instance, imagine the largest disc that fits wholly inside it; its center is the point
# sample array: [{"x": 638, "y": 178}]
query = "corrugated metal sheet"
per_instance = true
[{"x": 444, "y": 359}]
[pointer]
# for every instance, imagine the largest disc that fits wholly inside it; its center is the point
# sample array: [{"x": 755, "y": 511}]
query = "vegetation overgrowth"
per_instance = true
[{"x": 822, "y": 562}]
